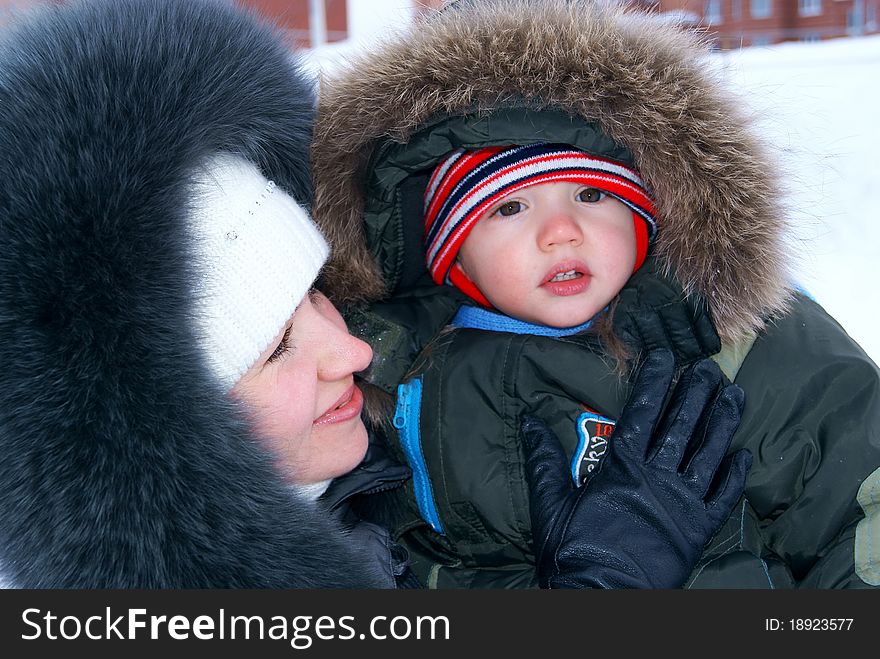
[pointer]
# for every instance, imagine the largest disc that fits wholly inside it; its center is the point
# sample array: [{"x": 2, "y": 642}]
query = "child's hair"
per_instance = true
[
  {"x": 465, "y": 184},
  {"x": 621, "y": 356}
]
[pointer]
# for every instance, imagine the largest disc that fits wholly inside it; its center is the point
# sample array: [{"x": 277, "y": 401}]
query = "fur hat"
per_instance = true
[
  {"x": 490, "y": 72},
  {"x": 125, "y": 465}
]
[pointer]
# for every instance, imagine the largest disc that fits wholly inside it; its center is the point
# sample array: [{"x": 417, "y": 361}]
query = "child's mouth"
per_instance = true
[{"x": 565, "y": 276}]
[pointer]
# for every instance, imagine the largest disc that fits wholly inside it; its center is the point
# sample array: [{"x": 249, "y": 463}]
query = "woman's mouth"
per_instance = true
[
  {"x": 567, "y": 278},
  {"x": 347, "y": 407}
]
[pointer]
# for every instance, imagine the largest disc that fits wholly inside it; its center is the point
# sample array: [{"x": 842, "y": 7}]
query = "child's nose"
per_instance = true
[{"x": 559, "y": 229}]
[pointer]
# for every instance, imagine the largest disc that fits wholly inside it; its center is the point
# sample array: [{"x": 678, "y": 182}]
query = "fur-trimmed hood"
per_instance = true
[
  {"x": 123, "y": 463},
  {"x": 645, "y": 84}
]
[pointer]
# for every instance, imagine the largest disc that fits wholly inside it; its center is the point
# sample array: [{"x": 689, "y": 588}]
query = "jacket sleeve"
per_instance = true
[{"x": 812, "y": 422}]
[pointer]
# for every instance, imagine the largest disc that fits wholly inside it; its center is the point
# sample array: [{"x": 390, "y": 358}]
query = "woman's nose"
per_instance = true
[
  {"x": 361, "y": 352},
  {"x": 344, "y": 354},
  {"x": 558, "y": 229}
]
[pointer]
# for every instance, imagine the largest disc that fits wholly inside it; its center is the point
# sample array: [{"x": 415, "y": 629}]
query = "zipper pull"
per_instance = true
[{"x": 400, "y": 413}]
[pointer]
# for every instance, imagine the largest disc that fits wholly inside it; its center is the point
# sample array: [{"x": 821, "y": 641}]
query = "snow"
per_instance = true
[
  {"x": 816, "y": 104},
  {"x": 368, "y": 22},
  {"x": 814, "y": 107}
]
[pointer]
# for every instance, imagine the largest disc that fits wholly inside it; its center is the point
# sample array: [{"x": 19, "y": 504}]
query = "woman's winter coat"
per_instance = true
[
  {"x": 626, "y": 86},
  {"x": 124, "y": 463}
]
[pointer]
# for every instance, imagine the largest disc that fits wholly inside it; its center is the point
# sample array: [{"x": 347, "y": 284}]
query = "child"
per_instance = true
[
  {"x": 544, "y": 233},
  {"x": 617, "y": 89}
]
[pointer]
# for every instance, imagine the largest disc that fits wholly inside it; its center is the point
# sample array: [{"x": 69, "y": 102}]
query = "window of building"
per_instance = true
[
  {"x": 810, "y": 7},
  {"x": 811, "y": 37},
  {"x": 713, "y": 12},
  {"x": 853, "y": 20},
  {"x": 736, "y": 9},
  {"x": 760, "y": 40},
  {"x": 761, "y": 8},
  {"x": 862, "y": 17}
]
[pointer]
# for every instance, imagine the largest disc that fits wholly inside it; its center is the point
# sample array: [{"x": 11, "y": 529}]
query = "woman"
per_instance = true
[
  {"x": 148, "y": 265},
  {"x": 173, "y": 393}
]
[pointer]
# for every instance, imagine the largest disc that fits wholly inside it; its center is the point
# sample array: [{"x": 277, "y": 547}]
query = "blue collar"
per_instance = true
[{"x": 476, "y": 318}]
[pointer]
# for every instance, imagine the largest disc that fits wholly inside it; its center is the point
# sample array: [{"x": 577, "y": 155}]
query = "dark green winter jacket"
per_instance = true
[
  {"x": 812, "y": 399},
  {"x": 626, "y": 87}
]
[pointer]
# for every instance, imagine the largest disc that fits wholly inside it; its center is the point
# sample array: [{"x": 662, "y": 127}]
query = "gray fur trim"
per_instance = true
[{"x": 123, "y": 463}]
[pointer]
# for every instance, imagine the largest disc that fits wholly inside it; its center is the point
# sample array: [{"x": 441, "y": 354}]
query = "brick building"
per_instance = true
[
  {"x": 9, "y": 7},
  {"x": 291, "y": 15},
  {"x": 730, "y": 23},
  {"x": 735, "y": 23}
]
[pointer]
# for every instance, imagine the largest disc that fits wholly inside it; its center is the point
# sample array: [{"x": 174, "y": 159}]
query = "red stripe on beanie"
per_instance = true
[{"x": 449, "y": 173}]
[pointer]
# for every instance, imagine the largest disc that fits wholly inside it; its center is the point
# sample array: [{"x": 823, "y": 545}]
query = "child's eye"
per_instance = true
[
  {"x": 509, "y": 208},
  {"x": 591, "y": 195}
]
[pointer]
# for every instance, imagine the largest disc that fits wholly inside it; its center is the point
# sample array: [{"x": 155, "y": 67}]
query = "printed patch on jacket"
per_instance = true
[{"x": 593, "y": 430}]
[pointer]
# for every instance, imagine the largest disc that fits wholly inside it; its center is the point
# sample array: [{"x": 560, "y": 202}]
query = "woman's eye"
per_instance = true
[
  {"x": 282, "y": 347},
  {"x": 591, "y": 195},
  {"x": 509, "y": 208}
]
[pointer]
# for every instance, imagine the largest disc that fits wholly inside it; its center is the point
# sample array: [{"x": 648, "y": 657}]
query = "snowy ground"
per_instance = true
[{"x": 815, "y": 106}]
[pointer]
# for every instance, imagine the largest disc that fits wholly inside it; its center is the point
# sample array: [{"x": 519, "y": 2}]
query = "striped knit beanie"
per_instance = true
[{"x": 468, "y": 182}]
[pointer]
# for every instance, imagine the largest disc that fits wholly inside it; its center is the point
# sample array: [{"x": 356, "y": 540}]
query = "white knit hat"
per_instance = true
[{"x": 258, "y": 253}]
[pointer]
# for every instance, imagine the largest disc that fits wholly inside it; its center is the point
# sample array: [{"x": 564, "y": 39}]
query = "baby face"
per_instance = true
[{"x": 553, "y": 254}]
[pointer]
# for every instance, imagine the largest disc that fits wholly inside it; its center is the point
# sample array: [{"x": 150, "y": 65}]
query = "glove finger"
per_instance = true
[
  {"x": 626, "y": 327},
  {"x": 546, "y": 467},
  {"x": 690, "y": 329},
  {"x": 674, "y": 323},
  {"x": 695, "y": 389},
  {"x": 704, "y": 330},
  {"x": 729, "y": 484},
  {"x": 640, "y": 415},
  {"x": 721, "y": 423}
]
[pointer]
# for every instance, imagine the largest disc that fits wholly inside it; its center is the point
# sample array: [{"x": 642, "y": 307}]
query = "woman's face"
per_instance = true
[{"x": 303, "y": 397}]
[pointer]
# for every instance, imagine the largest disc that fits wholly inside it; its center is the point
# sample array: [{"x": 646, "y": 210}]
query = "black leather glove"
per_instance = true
[
  {"x": 652, "y": 312},
  {"x": 659, "y": 495}
]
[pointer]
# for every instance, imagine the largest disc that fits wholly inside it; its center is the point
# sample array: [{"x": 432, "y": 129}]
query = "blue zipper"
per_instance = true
[{"x": 406, "y": 420}]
